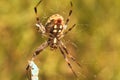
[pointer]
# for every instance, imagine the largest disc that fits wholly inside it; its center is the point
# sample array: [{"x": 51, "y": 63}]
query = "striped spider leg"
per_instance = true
[
  {"x": 39, "y": 25},
  {"x": 37, "y": 51},
  {"x": 64, "y": 51}
]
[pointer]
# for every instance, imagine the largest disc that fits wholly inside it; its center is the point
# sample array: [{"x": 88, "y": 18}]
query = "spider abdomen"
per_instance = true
[
  {"x": 57, "y": 29},
  {"x": 54, "y": 28},
  {"x": 54, "y": 24}
]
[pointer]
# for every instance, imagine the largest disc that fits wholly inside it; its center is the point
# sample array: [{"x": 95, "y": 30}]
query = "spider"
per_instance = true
[{"x": 54, "y": 29}]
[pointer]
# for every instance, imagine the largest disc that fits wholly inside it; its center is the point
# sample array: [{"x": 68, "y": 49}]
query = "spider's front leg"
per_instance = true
[
  {"x": 66, "y": 59},
  {"x": 39, "y": 25},
  {"x": 68, "y": 54},
  {"x": 37, "y": 51},
  {"x": 63, "y": 50}
]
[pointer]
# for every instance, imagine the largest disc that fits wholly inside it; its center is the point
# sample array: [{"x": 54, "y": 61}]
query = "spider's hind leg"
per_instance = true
[
  {"x": 39, "y": 25},
  {"x": 70, "y": 12},
  {"x": 35, "y": 9}
]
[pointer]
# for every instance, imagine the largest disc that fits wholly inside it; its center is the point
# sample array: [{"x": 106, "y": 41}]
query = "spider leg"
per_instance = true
[
  {"x": 70, "y": 29},
  {"x": 62, "y": 35},
  {"x": 39, "y": 49},
  {"x": 69, "y": 55},
  {"x": 39, "y": 24},
  {"x": 66, "y": 59},
  {"x": 35, "y": 9},
  {"x": 70, "y": 12}
]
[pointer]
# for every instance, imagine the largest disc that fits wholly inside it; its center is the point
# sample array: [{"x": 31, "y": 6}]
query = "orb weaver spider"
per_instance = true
[{"x": 54, "y": 30}]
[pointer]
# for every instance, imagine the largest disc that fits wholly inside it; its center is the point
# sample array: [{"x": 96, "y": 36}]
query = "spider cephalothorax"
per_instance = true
[{"x": 54, "y": 29}]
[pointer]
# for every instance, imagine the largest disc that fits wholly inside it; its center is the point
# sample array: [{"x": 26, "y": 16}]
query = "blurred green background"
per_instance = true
[{"x": 95, "y": 41}]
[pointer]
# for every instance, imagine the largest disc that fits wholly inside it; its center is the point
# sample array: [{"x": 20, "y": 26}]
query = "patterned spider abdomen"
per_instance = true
[
  {"x": 54, "y": 28},
  {"x": 55, "y": 25}
]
